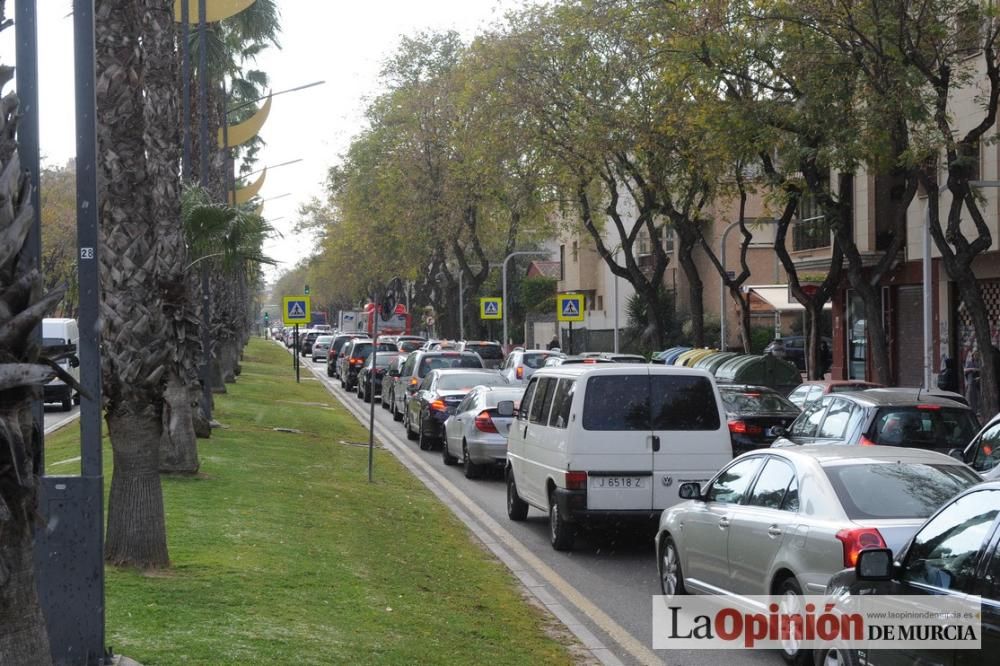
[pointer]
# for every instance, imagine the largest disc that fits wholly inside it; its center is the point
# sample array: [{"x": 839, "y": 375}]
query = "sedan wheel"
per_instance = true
[
  {"x": 790, "y": 603},
  {"x": 396, "y": 414},
  {"x": 426, "y": 444},
  {"x": 671, "y": 578},
  {"x": 446, "y": 454},
  {"x": 471, "y": 469},
  {"x": 410, "y": 435}
]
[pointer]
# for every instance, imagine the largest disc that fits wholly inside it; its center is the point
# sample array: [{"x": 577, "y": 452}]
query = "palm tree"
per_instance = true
[
  {"x": 178, "y": 445},
  {"x": 136, "y": 357},
  {"x": 23, "y": 639}
]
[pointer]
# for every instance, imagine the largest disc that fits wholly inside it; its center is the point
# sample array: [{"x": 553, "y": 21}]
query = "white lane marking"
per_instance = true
[
  {"x": 618, "y": 633},
  {"x": 65, "y": 462},
  {"x": 59, "y": 424}
]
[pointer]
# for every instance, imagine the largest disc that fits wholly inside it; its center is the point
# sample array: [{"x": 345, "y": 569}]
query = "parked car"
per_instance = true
[
  {"x": 477, "y": 432},
  {"x": 522, "y": 363},
  {"x": 623, "y": 358},
  {"x": 783, "y": 522},
  {"x": 983, "y": 453},
  {"x": 436, "y": 398},
  {"x": 380, "y": 361},
  {"x": 755, "y": 415},
  {"x": 954, "y": 554},
  {"x": 490, "y": 352},
  {"x": 333, "y": 353},
  {"x": 417, "y": 365},
  {"x": 352, "y": 357},
  {"x": 320, "y": 347},
  {"x": 408, "y": 343},
  {"x": 811, "y": 391},
  {"x": 556, "y": 361},
  {"x": 793, "y": 348},
  {"x": 443, "y": 345},
  {"x": 390, "y": 378},
  {"x": 885, "y": 417},
  {"x": 609, "y": 441}
]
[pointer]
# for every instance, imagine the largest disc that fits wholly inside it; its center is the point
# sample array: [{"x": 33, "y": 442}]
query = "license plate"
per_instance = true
[{"x": 618, "y": 482}]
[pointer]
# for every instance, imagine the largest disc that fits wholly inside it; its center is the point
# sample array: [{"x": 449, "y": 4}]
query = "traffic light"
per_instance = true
[
  {"x": 267, "y": 317},
  {"x": 307, "y": 290}
]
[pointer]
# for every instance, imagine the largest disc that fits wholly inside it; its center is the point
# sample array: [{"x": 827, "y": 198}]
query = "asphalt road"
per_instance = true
[
  {"x": 55, "y": 417},
  {"x": 606, "y": 582}
]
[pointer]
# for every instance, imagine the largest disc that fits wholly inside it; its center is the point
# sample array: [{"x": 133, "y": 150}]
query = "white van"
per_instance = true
[
  {"x": 59, "y": 336},
  {"x": 612, "y": 441}
]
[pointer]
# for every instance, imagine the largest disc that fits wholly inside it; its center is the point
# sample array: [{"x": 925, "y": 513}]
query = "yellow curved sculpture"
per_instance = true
[
  {"x": 245, "y": 194},
  {"x": 215, "y": 10},
  {"x": 246, "y": 130},
  {"x": 259, "y": 212}
]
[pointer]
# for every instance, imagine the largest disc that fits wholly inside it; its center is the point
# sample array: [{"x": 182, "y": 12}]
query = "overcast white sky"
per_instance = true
[{"x": 340, "y": 41}]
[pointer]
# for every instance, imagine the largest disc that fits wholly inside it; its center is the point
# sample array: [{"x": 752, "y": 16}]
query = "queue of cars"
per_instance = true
[{"x": 751, "y": 495}]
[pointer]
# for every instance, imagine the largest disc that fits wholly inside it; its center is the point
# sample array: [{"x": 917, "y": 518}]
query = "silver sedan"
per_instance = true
[
  {"x": 477, "y": 432},
  {"x": 782, "y": 522}
]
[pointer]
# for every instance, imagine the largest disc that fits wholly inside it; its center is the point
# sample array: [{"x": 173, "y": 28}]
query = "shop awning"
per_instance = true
[{"x": 775, "y": 297}]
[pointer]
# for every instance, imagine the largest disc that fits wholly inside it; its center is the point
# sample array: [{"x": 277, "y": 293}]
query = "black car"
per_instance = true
[
  {"x": 435, "y": 400},
  {"x": 955, "y": 554},
  {"x": 793, "y": 348},
  {"x": 417, "y": 365},
  {"x": 333, "y": 353},
  {"x": 306, "y": 341},
  {"x": 754, "y": 413},
  {"x": 490, "y": 352},
  {"x": 886, "y": 417},
  {"x": 382, "y": 360}
]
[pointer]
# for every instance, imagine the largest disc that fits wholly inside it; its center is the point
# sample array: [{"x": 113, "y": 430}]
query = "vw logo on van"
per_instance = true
[{"x": 668, "y": 481}]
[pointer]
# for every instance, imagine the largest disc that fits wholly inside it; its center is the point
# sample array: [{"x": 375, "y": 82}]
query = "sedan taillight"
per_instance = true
[
  {"x": 438, "y": 406},
  {"x": 484, "y": 422},
  {"x": 743, "y": 428},
  {"x": 857, "y": 540}
]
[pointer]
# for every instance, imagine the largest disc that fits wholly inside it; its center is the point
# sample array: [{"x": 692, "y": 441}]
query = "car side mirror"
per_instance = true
[
  {"x": 874, "y": 564},
  {"x": 690, "y": 490},
  {"x": 74, "y": 361},
  {"x": 505, "y": 408},
  {"x": 957, "y": 454}
]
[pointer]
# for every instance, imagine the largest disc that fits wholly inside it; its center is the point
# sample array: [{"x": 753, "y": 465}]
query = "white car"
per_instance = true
[
  {"x": 522, "y": 363},
  {"x": 477, "y": 432},
  {"x": 612, "y": 441}
]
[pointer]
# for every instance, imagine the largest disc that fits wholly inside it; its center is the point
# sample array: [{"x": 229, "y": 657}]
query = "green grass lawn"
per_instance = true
[{"x": 282, "y": 552}]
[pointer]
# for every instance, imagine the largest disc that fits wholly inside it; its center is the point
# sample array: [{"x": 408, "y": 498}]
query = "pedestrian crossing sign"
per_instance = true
[
  {"x": 490, "y": 308},
  {"x": 296, "y": 310},
  {"x": 569, "y": 307}
]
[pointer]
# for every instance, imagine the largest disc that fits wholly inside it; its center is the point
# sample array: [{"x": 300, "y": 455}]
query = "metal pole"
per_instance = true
[
  {"x": 571, "y": 338},
  {"x": 26, "y": 34},
  {"x": 927, "y": 296},
  {"x": 186, "y": 89},
  {"x": 206, "y": 284},
  {"x": 503, "y": 280},
  {"x": 461, "y": 309},
  {"x": 296, "y": 353},
  {"x": 371, "y": 392}
]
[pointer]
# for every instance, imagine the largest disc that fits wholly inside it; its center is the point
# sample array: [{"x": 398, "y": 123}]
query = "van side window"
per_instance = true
[
  {"x": 617, "y": 402},
  {"x": 561, "y": 403},
  {"x": 543, "y": 401},
  {"x": 683, "y": 402},
  {"x": 408, "y": 367},
  {"x": 522, "y": 413}
]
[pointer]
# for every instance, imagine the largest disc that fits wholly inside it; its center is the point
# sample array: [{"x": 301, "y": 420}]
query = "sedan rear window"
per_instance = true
[
  {"x": 534, "y": 361},
  {"x": 924, "y": 427},
  {"x": 755, "y": 402},
  {"x": 409, "y": 345},
  {"x": 896, "y": 490},
  {"x": 361, "y": 350},
  {"x": 468, "y": 380},
  {"x": 448, "y": 361},
  {"x": 488, "y": 352}
]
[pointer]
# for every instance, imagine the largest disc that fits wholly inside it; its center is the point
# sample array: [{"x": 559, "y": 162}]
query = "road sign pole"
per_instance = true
[
  {"x": 371, "y": 393},
  {"x": 571, "y": 338},
  {"x": 296, "y": 353}
]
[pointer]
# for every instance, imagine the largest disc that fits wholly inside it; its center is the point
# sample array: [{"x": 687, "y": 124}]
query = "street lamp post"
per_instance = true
[{"x": 503, "y": 280}]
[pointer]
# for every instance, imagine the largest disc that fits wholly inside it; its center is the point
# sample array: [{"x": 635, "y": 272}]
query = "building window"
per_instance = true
[
  {"x": 813, "y": 230},
  {"x": 576, "y": 251},
  {"x": 668, "y": 240}
]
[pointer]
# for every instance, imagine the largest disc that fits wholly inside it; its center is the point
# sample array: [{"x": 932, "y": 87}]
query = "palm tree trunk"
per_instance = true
[
  {"x": 137, "y": 356},
  {"x": 23, "y": 636},
  {"x": 162, "y": 138}
]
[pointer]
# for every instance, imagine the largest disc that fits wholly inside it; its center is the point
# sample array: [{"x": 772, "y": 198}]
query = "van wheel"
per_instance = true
[
  {"x": 67, "y": 403},
  {"x": 471, "y": 469},
  {"x": 561, "y": 533},
  {"x": 671, "y": 577},
  {"x": 396, "y": 414},
  {"x": 446, "y": 454},
  {"x": 517, "y": 508}
]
